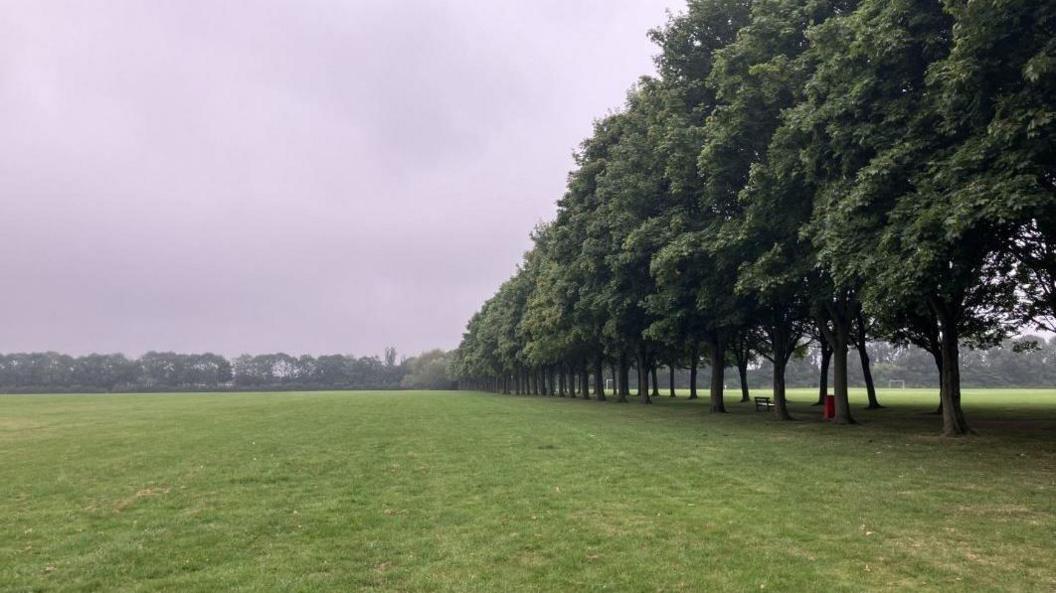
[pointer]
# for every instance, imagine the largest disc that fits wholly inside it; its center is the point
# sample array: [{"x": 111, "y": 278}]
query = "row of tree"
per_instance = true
[
  {"x": 1028, "y": 362},
  {"x": 827, "y": 171},
  {"x": 158, "y": 371}
]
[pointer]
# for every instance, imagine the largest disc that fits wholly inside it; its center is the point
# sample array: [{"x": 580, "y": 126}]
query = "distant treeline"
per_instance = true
[{"x": 46, "y": 372}]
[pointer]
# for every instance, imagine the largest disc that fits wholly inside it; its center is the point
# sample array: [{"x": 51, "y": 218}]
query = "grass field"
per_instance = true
[{"x": 416, "y": 492}]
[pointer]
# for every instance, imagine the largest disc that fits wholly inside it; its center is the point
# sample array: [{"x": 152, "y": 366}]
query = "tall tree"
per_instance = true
[{"x": 694, "y": 289}]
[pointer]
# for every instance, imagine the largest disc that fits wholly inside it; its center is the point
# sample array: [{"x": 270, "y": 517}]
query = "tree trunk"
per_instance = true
[
  {"x": 823, "y": 381},
  {"x": 953, "y": 421},
  {"x": 841, "y": 315},
  {"x": 937, "y": 355},
  {"x": 867, "y": 373},
  {"x": 780, "y": 402},
  {"x": 656, "y": 384},
  {"x": 742, "y": 353},
  {"x": 562, "y": 383},
  {"x": 718, "y": 370},
  {"x": 599, "y": 379},
  {"x": 694, "y": 361},
  {"x": 623, "y": 380},
  {"x": 584, "y": 381},
  {"x": 671, "y": 380},
  {"x": 615, "y": 379},
  {"x": 742, "y": 372},
  {"x": 643, "y": 376},
  {"x": 839, "y": 376}
]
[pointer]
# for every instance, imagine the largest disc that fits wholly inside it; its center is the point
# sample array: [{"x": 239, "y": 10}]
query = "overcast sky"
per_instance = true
[{"x": 300, "y": 176}]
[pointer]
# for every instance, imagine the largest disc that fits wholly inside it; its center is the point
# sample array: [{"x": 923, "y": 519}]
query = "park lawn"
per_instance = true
[{"x": 445, "y": 491}]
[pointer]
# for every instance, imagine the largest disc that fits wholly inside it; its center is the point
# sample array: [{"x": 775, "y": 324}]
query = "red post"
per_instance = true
[{"x": 830, "y": 407}]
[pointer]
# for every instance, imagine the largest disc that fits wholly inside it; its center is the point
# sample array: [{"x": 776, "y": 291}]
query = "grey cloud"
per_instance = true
[{"x": 300, "y": 176}]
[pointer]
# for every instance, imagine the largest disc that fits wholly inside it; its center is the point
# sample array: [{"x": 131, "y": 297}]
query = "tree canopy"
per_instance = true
[{"x": 830, "y": 170}]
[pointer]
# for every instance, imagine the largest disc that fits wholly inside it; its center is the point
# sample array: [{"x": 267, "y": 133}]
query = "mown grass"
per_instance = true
[{"x": 418, "y": 492}]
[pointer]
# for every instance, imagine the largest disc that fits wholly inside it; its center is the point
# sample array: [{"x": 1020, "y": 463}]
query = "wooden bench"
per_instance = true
[{"x": 763, "y": 404}]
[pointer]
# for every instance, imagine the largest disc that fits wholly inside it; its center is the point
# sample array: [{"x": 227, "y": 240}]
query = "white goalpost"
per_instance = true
[{"x": 896, "y": 384}]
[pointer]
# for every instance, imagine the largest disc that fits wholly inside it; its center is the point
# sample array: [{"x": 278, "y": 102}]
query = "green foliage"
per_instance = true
[
  {"x": 804, "y": 169},
  {"x": 429, "y": 370}
]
